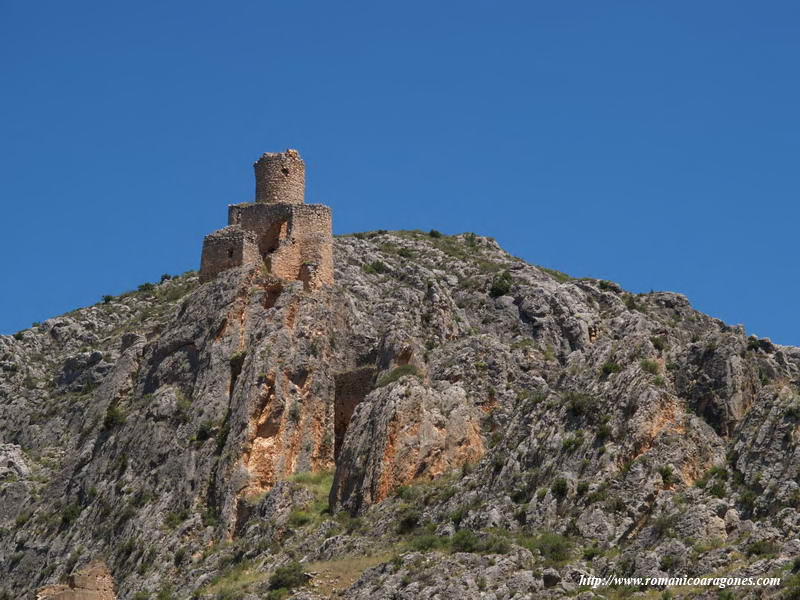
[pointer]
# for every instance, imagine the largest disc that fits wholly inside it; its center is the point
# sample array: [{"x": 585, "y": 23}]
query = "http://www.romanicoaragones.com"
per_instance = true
[{"x": 719, "y": 582}]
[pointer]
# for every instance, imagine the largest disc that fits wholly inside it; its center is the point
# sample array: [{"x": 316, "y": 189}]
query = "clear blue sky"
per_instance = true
[{"x": 655, "y": 144}]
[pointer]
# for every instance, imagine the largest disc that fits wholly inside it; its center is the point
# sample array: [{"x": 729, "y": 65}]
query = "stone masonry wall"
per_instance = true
[
  {"x": 280, "y": 178},
  {"x": 226, "y": 248},
  {"x": 295, "y": 240}
]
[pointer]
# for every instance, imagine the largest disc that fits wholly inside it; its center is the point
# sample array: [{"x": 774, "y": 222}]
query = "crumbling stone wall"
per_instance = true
[
  {"x": 280, "y": 178},
  {"x": 225, "y": 248},
  {"x": 295, "y": 240}
]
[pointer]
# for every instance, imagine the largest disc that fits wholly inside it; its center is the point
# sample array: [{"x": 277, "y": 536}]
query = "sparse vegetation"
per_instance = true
[
  {"x": 376, "y": 267},
  {"x": 396, "y": 374},
  {"x": 554, "y": 547},
  {"x": 649, "y": 366},
  {"x": 501, "y": 284},
  {"x": 288, "y": 577},
  {"x": 115, "y": 417},
  {"x": 560, "y": 488},
  {"x": 579, "y": 403},
  {"x": 609, "y": 368}
]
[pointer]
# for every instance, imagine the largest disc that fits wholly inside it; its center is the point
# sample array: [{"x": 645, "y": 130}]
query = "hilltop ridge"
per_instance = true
[{"x": 444, "y": 416}]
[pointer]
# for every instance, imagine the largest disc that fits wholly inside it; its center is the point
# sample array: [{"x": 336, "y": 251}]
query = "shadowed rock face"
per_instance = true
[{"x": 441, "y": 385}]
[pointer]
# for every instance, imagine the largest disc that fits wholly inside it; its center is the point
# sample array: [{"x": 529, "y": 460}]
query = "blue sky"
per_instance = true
[{"x": 655, "y": 144}]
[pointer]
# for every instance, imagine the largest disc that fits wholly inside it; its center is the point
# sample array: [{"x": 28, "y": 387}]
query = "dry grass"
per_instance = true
[
  {"x": 235, "y": 580},
  {"x": 337, "y": 575}
]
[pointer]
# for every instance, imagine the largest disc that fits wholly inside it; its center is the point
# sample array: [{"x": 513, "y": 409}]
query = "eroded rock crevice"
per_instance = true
[{"x": 351, "y": 389}]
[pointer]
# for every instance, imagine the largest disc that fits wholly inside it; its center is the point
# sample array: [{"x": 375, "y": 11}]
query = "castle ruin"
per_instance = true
[{"x": 293, "y": 239}]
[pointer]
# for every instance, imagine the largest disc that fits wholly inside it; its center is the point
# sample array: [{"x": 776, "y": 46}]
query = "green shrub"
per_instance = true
[
  {"x": 222, "y": 437},
  {"x": 298, "y": 518},
  {"x": 146, "y": 287},
  {"x": 573, "y": 442},
  {"x": 748, "y": 499},
  {"x": 554, "y": 547},
  {"x": 408, "y": 520},
  {"x": 464, "y": 540},
  {"x": 664, "y": 525},
  {"x": 210, "y": 518},
  {"x": 668, "y": 562},
  {"x": 649, "y": 366},
  {"x": 560, "y": 488},
  {"x": 496, "y": 544},
  {"x": 666, "y": 474},
  {"x": 376, "y": 267},
  {"x": 165, "y": 593},
  {"x": 592, "y": 552},
  {"x": 659, "y": 343},
  {"x": 434, "y": 233},
  {"x": 559, "y": 276},
  {"x": 717, "y": 489},
  {"x": 288, "y": 577},
  {"x": 107, "y": 298},
  {"x": 791, "y": 588},
  {"x": 205, "y": 431},
  {"x": 578, "y": 403},
  {"x": 173, "y": 519},
  {"x": 603, "y": 432},
  {"x": 501, "y": 284},
  {"x": 425, "y": 542},
  {"x": 396, "y": 374},
  {"x": 115, "y": 417},
  {"x": 237, "y": 360},
  {"x": 762, "y": 548},
  {"x": 70, "y": 514},
  {"x": 609, "y": 368},
  {"x": 179, "y": 557}
]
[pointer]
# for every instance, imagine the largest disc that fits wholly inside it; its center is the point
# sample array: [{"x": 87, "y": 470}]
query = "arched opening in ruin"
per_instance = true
[{"x": 351, "y": 389}]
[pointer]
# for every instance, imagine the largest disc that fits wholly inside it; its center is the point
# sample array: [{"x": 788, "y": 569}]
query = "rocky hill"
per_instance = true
[{"x": 446, "y": 421}]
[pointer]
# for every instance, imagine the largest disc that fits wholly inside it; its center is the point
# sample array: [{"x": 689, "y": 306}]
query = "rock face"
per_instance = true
[
  {"x": 402, "y": 434},
  {"x": 91, "y": 583},
  {"x": 444, "y": 417}
]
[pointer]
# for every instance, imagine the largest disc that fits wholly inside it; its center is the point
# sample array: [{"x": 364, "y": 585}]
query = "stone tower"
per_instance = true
[
  {"x": 293, "y": 239},
  {"x": 280, "y": 178}
]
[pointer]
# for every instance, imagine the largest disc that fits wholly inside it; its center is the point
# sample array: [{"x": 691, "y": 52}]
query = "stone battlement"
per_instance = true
[{"x": 293, "y": 239}]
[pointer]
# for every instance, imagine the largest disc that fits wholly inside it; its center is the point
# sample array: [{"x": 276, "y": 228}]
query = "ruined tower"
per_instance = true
[
  {"x": 280, "y": 178},
  {"x": 294, "y": 239}
]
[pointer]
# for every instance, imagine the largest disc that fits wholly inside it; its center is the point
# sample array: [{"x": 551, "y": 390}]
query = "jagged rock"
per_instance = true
[
  {"x": 550, "y": 577},
  {"x": 403, "y": 432}
]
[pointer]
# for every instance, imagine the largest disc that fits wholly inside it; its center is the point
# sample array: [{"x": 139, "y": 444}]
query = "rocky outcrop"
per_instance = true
[
  {"x": 444, "y": 417},
  {"x": 93, "y": 582},
  {"x": 403, "y": 433}
]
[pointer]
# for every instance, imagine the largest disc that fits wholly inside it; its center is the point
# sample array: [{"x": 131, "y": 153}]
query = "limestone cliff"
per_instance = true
[{"x": 443, "y": 417}]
